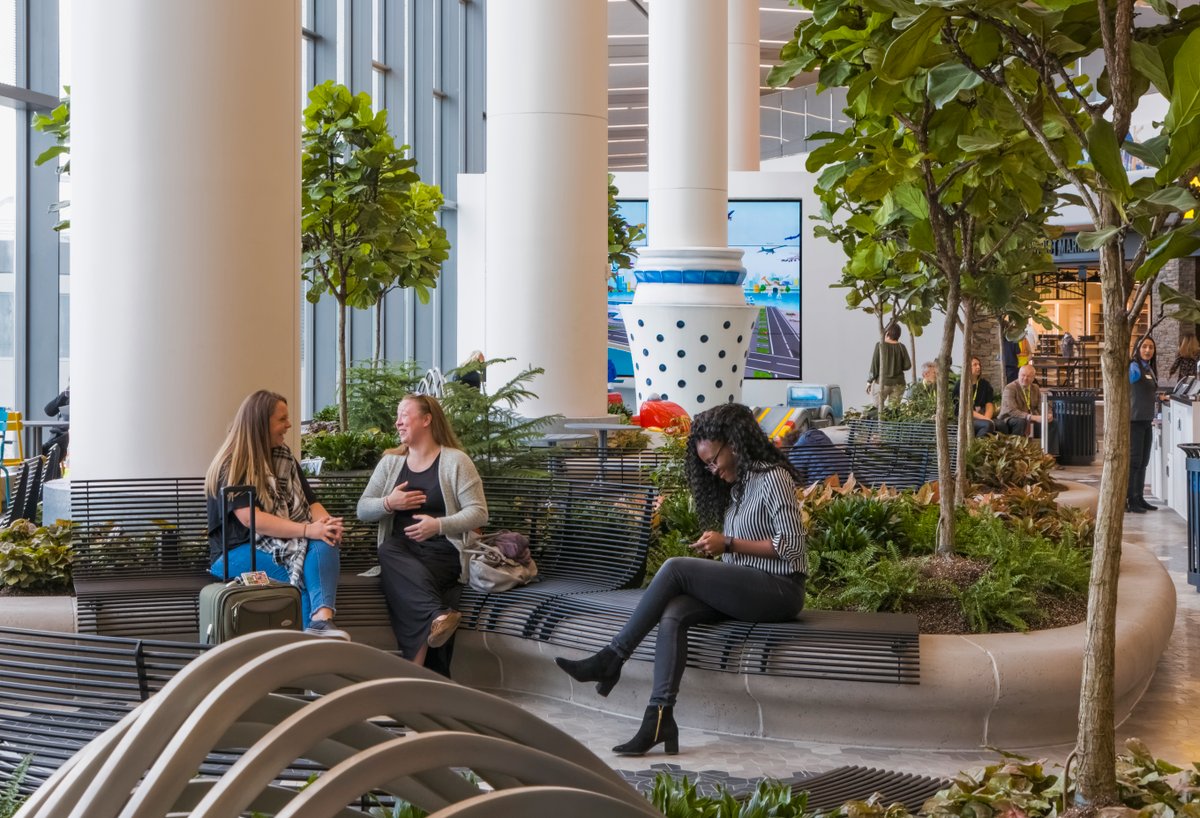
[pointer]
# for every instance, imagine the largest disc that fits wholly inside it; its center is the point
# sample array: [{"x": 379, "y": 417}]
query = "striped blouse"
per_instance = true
[{"x": 763, "y": 506}]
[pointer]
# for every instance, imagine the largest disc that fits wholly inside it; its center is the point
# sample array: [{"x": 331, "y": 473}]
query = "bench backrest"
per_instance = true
[
  {"x": 598, "y": 532},
  {"x": 901, "y": 454},
  {"x": 139, "y": 528}
]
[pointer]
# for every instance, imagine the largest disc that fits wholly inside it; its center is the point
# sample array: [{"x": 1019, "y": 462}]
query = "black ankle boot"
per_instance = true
[
  {"x": 658, "y": 727},
  {"x": 603, "y": 668},
  {"x": 1144, "y": 503},
  {"x": 1132, "y": 507}
]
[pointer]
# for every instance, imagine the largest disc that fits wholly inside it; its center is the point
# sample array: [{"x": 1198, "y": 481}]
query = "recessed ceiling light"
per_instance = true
[
  {"x": 634, "y": 125},
  {"x": 631, "y": 88},
  {"x": 629, "y": 139},
  {"x": 626, "y": 155}
]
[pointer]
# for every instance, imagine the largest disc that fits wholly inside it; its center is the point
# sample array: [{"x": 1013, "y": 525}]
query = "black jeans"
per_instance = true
[
  {"x": 687, "y": 591},
  {"x": 1139, "y": 457}
]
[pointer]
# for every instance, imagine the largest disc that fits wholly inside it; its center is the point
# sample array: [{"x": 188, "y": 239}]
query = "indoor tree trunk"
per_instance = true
[
  {"x": 377, "y": 346},
  {"x": 945, "y": 538},
  {"x": 966, "y": 402},
  {"x": 343, "y": 424},
  {"x": 1096, "y": 742}
]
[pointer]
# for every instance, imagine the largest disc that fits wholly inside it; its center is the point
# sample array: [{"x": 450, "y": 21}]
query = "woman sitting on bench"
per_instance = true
[
  {"x": 745, "y": 495},
  {"x": 426, "y": 495},
  {"x": 296, "y": 538}
]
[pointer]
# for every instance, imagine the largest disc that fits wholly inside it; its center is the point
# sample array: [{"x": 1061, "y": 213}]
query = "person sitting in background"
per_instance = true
[
  {"x": 1185, "y": 364},
  {"x": 60, "y": 434},
  {"x": 470, "y": 371},
  {"x": 815, "y": 457},
  {"x": 927, "y": 385},
  {"x": 1020, "y": 410},
  {"x": 983, "y": 396}
]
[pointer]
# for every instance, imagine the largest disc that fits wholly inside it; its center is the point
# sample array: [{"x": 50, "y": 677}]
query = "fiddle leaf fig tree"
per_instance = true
[{"x": 364, "y": 229}]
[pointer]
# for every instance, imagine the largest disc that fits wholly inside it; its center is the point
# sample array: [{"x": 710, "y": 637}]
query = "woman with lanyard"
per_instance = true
[
  {"x": 745, "y": 494},
  {"x": 1143, "y": 387}
]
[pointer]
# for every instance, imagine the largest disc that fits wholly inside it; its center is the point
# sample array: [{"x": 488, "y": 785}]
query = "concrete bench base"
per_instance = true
[{"x": 1008, "y": 690}]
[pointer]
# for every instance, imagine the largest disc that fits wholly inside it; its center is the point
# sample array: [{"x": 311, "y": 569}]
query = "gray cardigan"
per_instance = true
[{"x": 462, "y": 490}]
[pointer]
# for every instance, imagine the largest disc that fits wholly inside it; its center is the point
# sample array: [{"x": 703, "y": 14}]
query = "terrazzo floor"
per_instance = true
[{"x": 1165, "y": 718}]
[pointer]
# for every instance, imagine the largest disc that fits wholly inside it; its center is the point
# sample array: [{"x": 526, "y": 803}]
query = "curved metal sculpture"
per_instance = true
[{"x": 147, "y": 765}]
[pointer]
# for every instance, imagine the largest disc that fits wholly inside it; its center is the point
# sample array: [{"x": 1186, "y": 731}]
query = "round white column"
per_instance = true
[
  {"x": 744, "y": 150},
  {"x": 689, "y": 326},
  {"x": 185, "y": 263},
  {"x": 688, "y": 162},
  {"x": 547, "y": 199}
]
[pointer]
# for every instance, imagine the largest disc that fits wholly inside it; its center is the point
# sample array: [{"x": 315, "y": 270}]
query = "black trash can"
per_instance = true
[
  {"x": 1192, "y": 450},
  {"x": 1074, "y": 412}
]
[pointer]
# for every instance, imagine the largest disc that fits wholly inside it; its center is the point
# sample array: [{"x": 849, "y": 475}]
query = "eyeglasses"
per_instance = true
[{"x": 711, "y": 465}]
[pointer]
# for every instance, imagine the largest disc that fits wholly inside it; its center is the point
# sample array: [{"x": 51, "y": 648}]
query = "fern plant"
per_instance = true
[
  {"x": 493, "y": 433},
  {"x": 11, "y": 797}
]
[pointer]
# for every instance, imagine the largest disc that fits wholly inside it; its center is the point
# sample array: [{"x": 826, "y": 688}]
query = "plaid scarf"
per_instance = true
[{"x": 286, "y": 499}]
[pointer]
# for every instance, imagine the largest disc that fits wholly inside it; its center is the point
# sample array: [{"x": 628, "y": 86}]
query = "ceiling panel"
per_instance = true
[{"x": 628, "y": 58}]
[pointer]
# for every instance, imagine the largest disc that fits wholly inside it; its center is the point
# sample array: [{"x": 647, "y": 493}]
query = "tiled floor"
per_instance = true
[{"x": 1165, "y": 718}]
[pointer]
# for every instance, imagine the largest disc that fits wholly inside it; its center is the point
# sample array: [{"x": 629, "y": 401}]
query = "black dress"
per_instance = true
[{"x": 420, "y": 579}]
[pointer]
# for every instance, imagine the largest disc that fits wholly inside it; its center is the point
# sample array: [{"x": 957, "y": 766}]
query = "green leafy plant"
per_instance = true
[
  {"x": 57, "y": 124},
  {"x": 36, "y": 558},
  {"x": 347, "y": 451},
  {"x": 492, "y": 432},
  {"x": 376, "y": 390},
  {"x": 10, "y": 797},
  {"x": 622, "y": 236},
  {"x": 364, "y": 228},
  {"x": 999, "y": 462}
]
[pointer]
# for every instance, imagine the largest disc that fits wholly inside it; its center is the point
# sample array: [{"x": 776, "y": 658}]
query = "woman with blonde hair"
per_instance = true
[
  {"x": 1185, "y": 364},
  {"x": 426, "y": 496},
  {"x": 295, "y": 536}
]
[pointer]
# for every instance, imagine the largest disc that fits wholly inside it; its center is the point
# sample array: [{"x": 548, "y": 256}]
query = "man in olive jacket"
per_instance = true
[{"x": 888, "y": 365}]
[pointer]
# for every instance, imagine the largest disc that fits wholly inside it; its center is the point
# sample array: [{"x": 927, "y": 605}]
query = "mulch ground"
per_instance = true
[{"x": 943, "y": 615}]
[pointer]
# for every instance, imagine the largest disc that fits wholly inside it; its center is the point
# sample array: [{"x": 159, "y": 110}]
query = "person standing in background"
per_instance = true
[
  {"x": 888, "y": 365},
  {"x": 1143, "y": 387}
]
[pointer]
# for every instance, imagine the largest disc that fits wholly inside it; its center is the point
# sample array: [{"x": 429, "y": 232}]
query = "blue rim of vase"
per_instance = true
[{"x": 689, "y": 276}]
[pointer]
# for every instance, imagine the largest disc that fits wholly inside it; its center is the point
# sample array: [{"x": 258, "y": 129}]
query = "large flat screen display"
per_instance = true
[{"x": 768, "y": 233}]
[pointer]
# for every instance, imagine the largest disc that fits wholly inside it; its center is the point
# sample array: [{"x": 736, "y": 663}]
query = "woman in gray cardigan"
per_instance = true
[{"x": 426, "y": 496}]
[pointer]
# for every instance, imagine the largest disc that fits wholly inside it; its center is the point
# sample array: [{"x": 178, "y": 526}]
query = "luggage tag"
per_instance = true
[{"x": 255, "y": 578}]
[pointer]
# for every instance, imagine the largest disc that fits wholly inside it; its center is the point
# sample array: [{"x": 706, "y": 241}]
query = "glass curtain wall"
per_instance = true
[
  {"x": 421, "y": 59},
  {"x": 33, "y": 337}
]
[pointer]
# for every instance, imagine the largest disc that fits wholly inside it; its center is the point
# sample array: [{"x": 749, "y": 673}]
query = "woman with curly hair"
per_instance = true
[{"x": 745, "y": 494}]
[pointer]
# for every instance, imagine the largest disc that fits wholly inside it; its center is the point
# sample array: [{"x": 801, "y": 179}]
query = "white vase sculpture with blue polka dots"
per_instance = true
[{"x": 689, "y": 326}]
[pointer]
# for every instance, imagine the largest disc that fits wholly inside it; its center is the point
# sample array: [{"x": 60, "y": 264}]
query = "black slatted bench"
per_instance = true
[
  {"x": 143, "y": 557},
  {"x": 830, "y": 790},
  {"x": 59, "y": 691},
  {"x": 835, "y": 645},
  {"x": 898, "y": 454}
]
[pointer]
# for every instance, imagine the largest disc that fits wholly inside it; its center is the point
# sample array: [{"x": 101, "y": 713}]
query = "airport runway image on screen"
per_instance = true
[{"x": 768, "y": 233}]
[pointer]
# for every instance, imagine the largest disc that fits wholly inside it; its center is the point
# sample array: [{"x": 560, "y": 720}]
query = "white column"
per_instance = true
[
  {"x": 185, "y": 290},
  {"x": 688, "y": 162},
  {"x": 547, "y": 150},
  {"x": 689, "y": 326},
  {"x": 744, "y": 150}
]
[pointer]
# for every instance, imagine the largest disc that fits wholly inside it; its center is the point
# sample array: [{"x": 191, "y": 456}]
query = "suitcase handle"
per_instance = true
[{"x": 228, "y": 493}]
